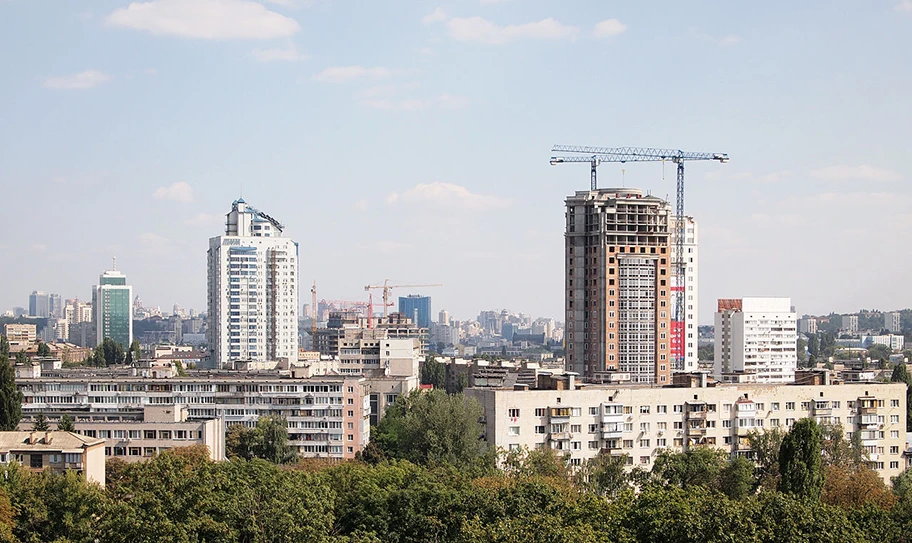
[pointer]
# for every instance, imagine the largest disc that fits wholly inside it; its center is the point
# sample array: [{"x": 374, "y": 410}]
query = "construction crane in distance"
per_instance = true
[
  {"x": 386, "y": 287},
  {"x": 596, "y": 155}
]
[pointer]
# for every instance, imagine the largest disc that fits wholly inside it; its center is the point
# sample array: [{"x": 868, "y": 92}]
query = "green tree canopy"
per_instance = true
[
  {"x": 40, "y": 424},
  {"x": 431, "y": 428},
  {"x": 268, "y": 441},
  {"x": 800, "y": 461},
  {"x": 43, "y": 349},
  {"x": 66, "y": 424},
  {"x": 433, "y": 373},
  {"x": 10, "y": 396}
]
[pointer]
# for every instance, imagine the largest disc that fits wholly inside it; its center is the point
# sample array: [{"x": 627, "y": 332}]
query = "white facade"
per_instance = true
[
  {"x": 893, "y": 341},
  {"x": 641, "y": 422},
  {"x": 757, "y": 335},
  {"x": 807, "y": 325},
  {"x": 253, "y": 290},
  {"x": 893, "y": 322},
  {"x": 850, "y": 323},
  {"x": 691, "y": 296}
]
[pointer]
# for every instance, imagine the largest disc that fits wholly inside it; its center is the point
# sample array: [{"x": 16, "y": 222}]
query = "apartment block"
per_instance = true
[
  {"x": 55, "y": 451},
  {"x": 253, "y": 290},
  {"x": 807, "y": 325},
  {"x": 327, "y": 416},
  {"x": 756, "y": 336},
  {"x": 642, "y": 421},
  {"x": 684, "y": 336},
  {"x": 20, "y": 336},
  {"x": 618, "y": 285},
  {"x": 850, "y": 324},
  {"x": 893, "y": 322}
]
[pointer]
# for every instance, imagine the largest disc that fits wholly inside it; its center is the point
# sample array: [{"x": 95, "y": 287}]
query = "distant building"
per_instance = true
[
  {"x": 895, "y": 342},
  {"x": 850, "y": 324},
  {"x": 112, "y": 301},
  {"x": 55, "y": 306},
  {"x": 893, "y": 322},
  {"x": 444, "y": 317},
  {"x": 55, "y": 451},
  {"x": 686, "y": 358},
  {"x": 20, "y": 334},
  {"x": 807, "y": 325},
  {"x": 417, "y": 307},
  {"x": 39, "y": 304},
  {"x": 253, "y": 290},
  {"x": 756, "y": 335}
]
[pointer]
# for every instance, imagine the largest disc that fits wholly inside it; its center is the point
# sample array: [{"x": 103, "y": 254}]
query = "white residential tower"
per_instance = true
[{"x": 759, "y": 336}]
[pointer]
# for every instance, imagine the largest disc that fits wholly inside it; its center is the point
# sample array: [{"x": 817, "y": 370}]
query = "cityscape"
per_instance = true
[{"x": 391, "y": 365}]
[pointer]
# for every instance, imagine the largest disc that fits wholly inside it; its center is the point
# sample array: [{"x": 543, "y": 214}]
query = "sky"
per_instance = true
[{"x": 409, "y": 140}]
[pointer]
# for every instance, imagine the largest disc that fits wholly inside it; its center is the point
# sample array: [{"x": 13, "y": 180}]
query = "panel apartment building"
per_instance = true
[
  {"x": 253, "y": 290},
  {"x": 642, "y": 421},
  {"x": 757, "y": 336},
  {"x": 328, "y": 416},
  {"x": 619, "y": 285}
]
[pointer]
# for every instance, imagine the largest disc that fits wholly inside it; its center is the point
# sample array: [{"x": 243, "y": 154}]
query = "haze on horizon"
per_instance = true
[{"x": 410, "y": 141}]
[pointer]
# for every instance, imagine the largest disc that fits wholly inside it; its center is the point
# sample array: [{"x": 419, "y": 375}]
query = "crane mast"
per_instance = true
[
  {"x": 386, "y": 287},
  {"x": 596, "y": 155}
]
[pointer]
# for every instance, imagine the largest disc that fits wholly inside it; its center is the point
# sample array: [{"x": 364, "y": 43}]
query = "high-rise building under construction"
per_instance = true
[{"x": 619, "y": 249}]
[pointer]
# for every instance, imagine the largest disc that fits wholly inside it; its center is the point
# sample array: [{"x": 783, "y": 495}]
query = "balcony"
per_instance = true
[
  {"x": 560, "y": 413},
  {"x": 823, "y": 411},
  {"x": 867, "y": 410},
  {"x": 561, "y": 436},
  {"x": 700, "y": 431},
  {"x": 696, "y": 414},
  {"x": 614, "y": 417}
]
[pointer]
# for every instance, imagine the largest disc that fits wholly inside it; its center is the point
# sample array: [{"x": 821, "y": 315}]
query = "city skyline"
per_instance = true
[{"x": 141, "y": 131}]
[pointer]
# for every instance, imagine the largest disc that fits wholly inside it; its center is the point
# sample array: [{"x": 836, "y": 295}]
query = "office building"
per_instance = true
[
  {"x": 685, "y": 358},
  {"x": 641, "y": 422},
  {"x": 253, "y": 290},
  {"x": 807, "y": 325},
  {"x": 39, "y": 304},
  {"x": 850, "y": 324},
  {"x": 55, "y": 451},
  {"x": 55, "y": 306},
  {"x": 618, "y": 285},
  {"x": 416, "y": 307},
  {"x": 893, "y": 322},
  {"x": 112, "y": 301},
  {"x": 756, "y": 336}
]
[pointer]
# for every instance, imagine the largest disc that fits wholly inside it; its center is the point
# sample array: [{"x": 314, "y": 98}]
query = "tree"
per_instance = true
[
  {"x": 43, "y": 349},
  {"x": 802, "y": 351},
  {"x": 879, "y": 353},
  {"x": 706, "y": 352},
  {"x": 800, "y": 462},
  {"x": 736, "y": 479},
  {"x": 40, "y": 424},
  {"x": 837, "y": 451},
  {"x": 605, "y": 475},
  {"x": 4, "y": 348},
  {"x": 66, "y": 424},
  {"x": 10, "y": 396},
  {"x": 433, "y": 373},
  {"x": 813, "y": 345},
  {"x": 135, "y": 350},
  {"x": 268, "y": 440},
  {"x": 431, "y": 428},
  {"x": 22, "y": 358},
  {"x": 699, "y": 466}
]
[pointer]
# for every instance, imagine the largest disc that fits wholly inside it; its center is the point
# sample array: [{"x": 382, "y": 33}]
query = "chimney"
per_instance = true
[
  {"x": 33, "y": 438},
  {"x": 48, "y": 438}
]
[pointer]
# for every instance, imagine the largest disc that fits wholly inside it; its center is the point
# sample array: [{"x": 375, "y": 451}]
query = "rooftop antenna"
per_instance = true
[
  {"x": 115, "y": 264},
  {"x": 623, "y": 177}
]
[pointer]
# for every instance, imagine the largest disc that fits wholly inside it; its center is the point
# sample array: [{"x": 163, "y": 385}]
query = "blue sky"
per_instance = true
[{"x": 410, "y": 141}]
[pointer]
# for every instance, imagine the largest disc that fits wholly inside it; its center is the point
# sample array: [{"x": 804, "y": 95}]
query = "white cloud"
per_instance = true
[
  {"x": 855, "y": 173},
  {"x": 380, "y": 91},
  {"x": 444, "y": 101},
  {"x": 88, "y": 79},
  {"x": 609, "y": 28},
  {"x": 177, "y": 192},
  {"x": 447, "y": 195},
  {"x": 343, "y": 74},
  {"x": 905, "y": 6},
  {"x": 434, "y": 17},
  {"x": 206, "y": 19},
  {"x": 477, "y": 29},
  {"x": 287, "y": 54}
]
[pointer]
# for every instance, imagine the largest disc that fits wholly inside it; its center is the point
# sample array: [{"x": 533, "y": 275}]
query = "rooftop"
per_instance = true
[{"x": 44, "y": 441}]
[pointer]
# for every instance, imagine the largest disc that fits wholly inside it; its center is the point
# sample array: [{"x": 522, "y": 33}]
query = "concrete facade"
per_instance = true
[
  {"x": 756, "y": 335},
  {"x": 56, "y": 451},
  {"x": 642, "y": 421}
]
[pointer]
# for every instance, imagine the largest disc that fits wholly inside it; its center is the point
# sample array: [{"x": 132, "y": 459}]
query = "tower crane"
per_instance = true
[
  {"x": 386, "y": 287},
  {"x": 596, "y": 155}
]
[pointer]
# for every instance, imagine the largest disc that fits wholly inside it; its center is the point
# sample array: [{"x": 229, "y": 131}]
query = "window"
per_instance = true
[
  {"x": 593, "y": 428},
  {"x": 726, "y": 423},
  {"x": 805, "y": 406},
  {"x": 726, "y": 407},
  {"x": 539, "y": 429},
  {"x": 661, "y": 409},
  {"x": 644, "y": 460},
  {"x": 593, "y": 410},
  {"x": 660, "y": 442},
  {"x": 644, "y": 443},
  {"x": 36, "y": 461},
  {"x": 513, "y": 431},
  {"x": 789, "y": 406},
  {"x": 576, "y": 428},
  {"x": 644, "y": 426},
  {"x": 576, "y": 445},
  {"x": 576, "y": 411},
  {"x": 789, "y": 422},
  {"x": 679, "y": 408},
  {"x": 894, "y": 434},
  {"x": 894, "y": 465},
  {"x": 628, "y": 443},
  {"x": 894, "y": 418},
  {"x": 774, "y": 422},
  {"x": 678, "y": 425},
  {"x": 661, "y": 425},
  {"x": 774, "y": 406},
  {"x": 593, "y": 444},
  {"x": 644, "y": 409},
  {"x": 513, "y": 413},
  {"x": 894, "y": 449},
  {"x": 894, "y": 403},
  {"x": 628, "y": 426}
]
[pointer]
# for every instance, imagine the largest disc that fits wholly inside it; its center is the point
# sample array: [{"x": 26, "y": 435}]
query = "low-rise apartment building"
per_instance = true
[
  {"x": 56, "y": 451},
  {"x": 641, "y": 421},
  {"x": 328, "y": 416}
]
